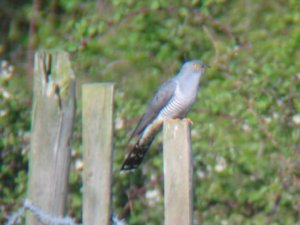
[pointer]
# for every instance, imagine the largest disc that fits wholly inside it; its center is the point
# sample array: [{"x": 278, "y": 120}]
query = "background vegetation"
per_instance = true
[{"x": 246, "y": 129}]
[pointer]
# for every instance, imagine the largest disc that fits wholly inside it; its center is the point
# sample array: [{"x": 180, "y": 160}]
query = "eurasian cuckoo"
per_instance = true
[{"x": 172, "y": 100}]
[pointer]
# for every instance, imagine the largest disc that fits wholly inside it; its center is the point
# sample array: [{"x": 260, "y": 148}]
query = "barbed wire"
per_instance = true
[{"x": 47, "y": 219}]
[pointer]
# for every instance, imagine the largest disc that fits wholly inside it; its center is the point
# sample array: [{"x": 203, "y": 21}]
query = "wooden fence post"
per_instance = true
[
  {"x": 97, "y": 112},
  {"x": 51, "y": 131},
  {"x": 178, "y": 173}
]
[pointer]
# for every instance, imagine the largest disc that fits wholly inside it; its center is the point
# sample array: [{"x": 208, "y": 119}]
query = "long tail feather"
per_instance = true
[{"x": 136, "y": 155}]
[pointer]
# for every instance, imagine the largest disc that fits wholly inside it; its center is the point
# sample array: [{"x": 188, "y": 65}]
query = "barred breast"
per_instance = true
[{"x": 178, "y": 106}]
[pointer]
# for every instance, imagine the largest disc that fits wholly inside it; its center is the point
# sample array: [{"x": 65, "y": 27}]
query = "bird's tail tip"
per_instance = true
[
  {"x": 127, "y": 169},
  {"x": 134, "y": 158}
]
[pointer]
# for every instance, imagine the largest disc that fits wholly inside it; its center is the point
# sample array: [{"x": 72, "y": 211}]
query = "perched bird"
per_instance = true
[{"x": 172, "y": 100}]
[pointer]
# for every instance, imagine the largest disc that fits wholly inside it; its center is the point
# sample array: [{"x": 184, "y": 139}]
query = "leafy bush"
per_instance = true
[{"x": 246, "y": 121}]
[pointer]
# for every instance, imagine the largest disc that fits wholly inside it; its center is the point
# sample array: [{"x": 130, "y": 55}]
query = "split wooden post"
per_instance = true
[
  {"x": 178, "y": 173},
  {"x": 97, "y": 118},
  {"x": 51, "y": 131}
]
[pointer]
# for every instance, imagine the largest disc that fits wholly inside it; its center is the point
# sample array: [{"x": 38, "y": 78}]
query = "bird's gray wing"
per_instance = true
[{"x": 158, "y": 102}]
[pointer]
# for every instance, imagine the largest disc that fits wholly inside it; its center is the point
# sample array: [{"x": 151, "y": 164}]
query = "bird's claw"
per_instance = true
[{"x": 189, "y": 121}]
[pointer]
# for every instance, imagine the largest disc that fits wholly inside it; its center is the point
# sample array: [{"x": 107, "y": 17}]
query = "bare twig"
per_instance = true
[
  {"x": 36, "y": 5},
  {"x": 135, "y": 193}
]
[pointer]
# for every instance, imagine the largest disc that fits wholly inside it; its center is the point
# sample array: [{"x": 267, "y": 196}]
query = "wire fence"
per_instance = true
[{"x": 49, "y": 161}]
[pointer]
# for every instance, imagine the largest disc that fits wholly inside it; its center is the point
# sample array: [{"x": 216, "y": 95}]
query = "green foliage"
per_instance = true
[
  {"x": 246, "y": 121},
  {"x": 14, "y": 126}
]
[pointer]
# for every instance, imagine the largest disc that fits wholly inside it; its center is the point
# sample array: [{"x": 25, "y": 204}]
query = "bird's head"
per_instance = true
[{"x": 194, "y": 66}]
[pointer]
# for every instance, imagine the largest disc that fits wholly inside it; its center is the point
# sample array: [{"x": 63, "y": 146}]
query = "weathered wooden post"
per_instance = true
[
  {"x": 97, "y": 118},
  {"x": 51, "y": 131},
  {"x": 178, "y": 173}
]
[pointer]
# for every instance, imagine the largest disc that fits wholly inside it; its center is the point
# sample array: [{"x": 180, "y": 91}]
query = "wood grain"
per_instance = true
[
  {"x": 51, "y": 131},
  {"x": 178, "y": 173},
  {"x": 97, "y": 116}
]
